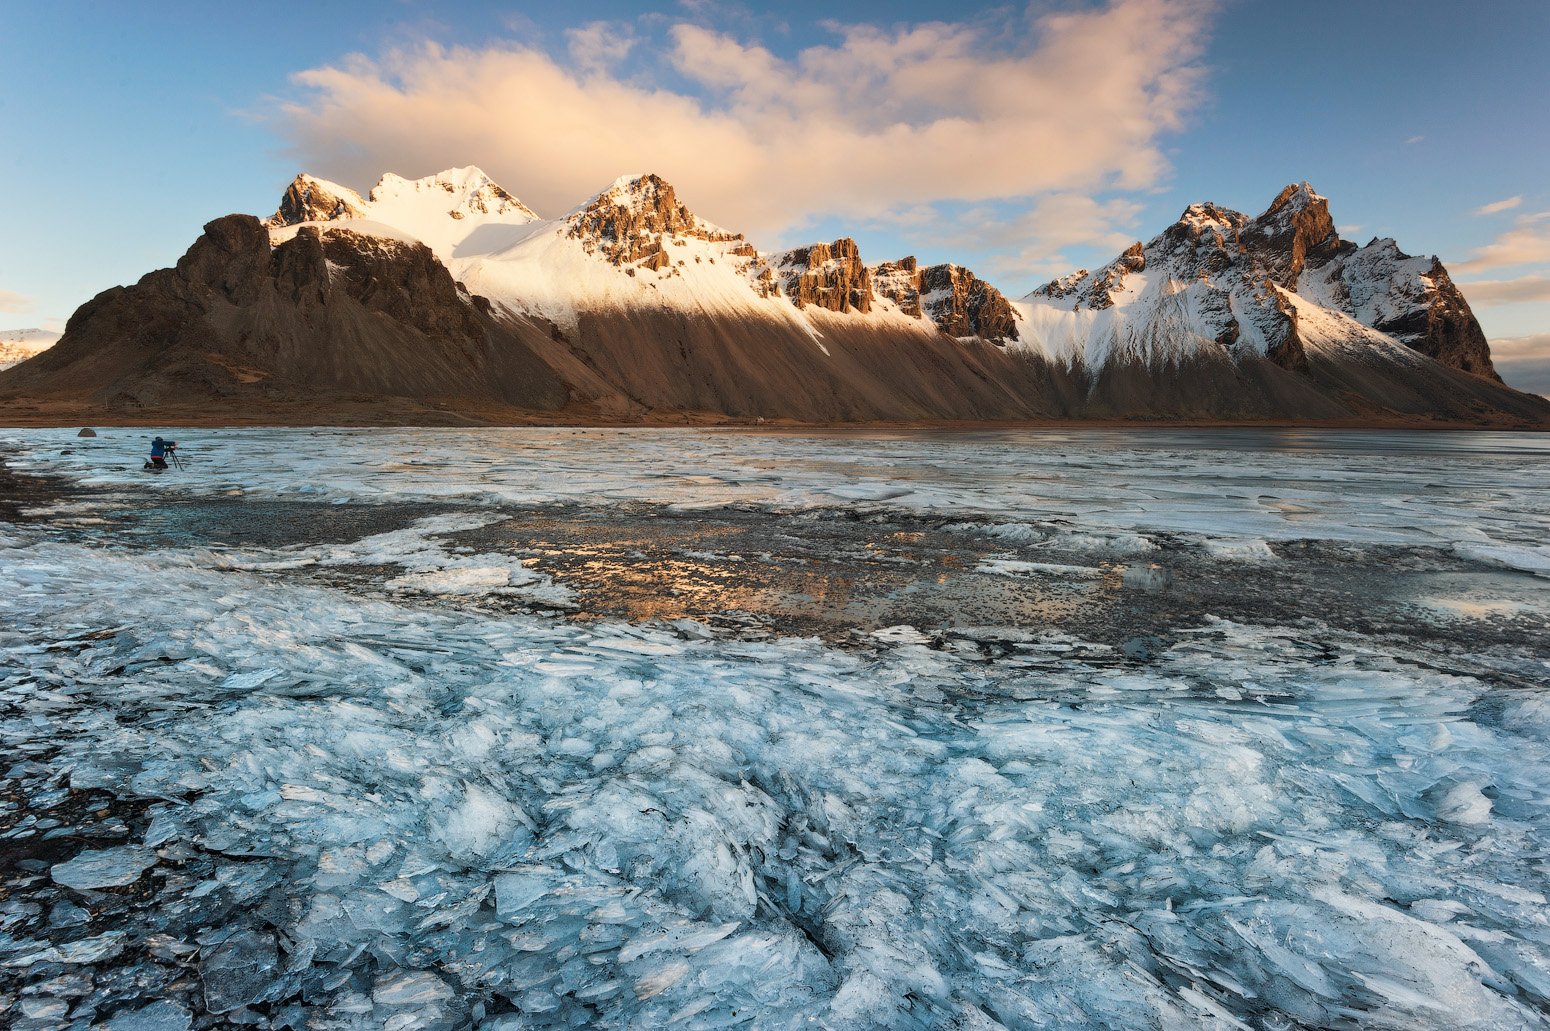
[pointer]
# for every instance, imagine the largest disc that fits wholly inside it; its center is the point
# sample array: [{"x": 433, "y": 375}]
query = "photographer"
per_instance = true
[{"x": 160, "y": 449}]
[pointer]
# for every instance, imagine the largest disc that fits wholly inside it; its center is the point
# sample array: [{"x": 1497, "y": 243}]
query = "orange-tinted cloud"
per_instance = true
[
  {"x": 1496, "y": 207},
  {"x": 1486, "y": 292},
  {"x": 880, "y": 122},
  {"x": 1526, "y": 243}
]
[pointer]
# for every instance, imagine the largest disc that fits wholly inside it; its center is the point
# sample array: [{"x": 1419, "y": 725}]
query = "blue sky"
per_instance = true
[{"x": 1022, "y": 141}]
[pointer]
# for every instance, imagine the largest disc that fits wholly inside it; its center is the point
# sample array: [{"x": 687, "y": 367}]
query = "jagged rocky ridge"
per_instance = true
[
  {"x": 958, "y": 301},
  {"x": 451, "y": 299}
]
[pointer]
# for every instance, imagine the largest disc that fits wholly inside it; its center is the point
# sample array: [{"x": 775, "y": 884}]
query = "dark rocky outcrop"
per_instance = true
[
  {"x": 320, "y": 316},
  {"x": 310, "y": 200},
  {"x": 963, "y": 305},
  {"x": 959, "y": 302},
  {"x": 1443, "y": 327},
  {"x": 826, "y": 275},
  {"x": 1295, "y": 229}
]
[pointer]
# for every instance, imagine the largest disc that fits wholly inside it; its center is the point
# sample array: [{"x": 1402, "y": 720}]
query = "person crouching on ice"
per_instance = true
[{"x": 159, "y": 449}]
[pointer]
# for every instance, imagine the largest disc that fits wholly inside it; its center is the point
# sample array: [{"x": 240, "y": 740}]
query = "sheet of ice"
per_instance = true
[
  {"x": 381, "y": 814},
  {"x": 1483, "y": 494},
  {"x": 1013, "y": 567},
  {"x": 429, "y": 568}
]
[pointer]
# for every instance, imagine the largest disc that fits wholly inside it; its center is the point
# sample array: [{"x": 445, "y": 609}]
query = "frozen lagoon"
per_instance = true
[{"x": 374, "y": 775}]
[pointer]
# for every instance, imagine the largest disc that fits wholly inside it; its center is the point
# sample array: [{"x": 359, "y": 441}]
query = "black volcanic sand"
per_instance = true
[{"x": 843, "y": 574}]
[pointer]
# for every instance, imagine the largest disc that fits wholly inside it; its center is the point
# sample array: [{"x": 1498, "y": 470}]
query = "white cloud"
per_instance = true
[
  {"x": 880, "y": 122},
  {"x": 1412, "y": 141},
  {"x": 1484, "y": 293},
  {"x": 1018, "y": 244},
  {"x": 12, "y": 302},
  {"x": 1526, "y": 243},
  {"x": 1496, "y": 207},
  {"x": 1348, "y": 231},
  {"x": 597, "y": 48},
  {"x": 1032, "y": 243}
]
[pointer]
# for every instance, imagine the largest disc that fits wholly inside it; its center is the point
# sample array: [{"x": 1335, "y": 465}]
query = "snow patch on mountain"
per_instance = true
[
  {"x": 1378, "y": 284},
  {"x": 1328, "y": 330},
  {"x": 458, "y": 211},
  {"x": 551, "y": 274}
]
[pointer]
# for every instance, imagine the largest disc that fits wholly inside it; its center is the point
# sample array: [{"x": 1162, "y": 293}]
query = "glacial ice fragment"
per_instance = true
[
  {"x": 240, "y": 971},
  {"x": 514, "y": 892},
  {"x": 158, "y": 1016},
  {"x": 410, "y": 988},
  {"x": 109, "y": 868}
]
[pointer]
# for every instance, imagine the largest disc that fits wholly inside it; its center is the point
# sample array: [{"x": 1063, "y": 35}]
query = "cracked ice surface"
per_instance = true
[
  {"x": 397, "y": 815},
  {"x": 331, "y": 811}
]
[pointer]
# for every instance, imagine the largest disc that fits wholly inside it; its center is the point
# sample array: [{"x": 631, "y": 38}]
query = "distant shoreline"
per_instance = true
[{"x": 425, "y": 419}]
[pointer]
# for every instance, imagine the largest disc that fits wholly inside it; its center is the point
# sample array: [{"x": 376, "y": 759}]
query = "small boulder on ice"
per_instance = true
[
  {"x": 87, "y": 431},
  {"x": 1143, "y": 649},
  {"x": 1151, "y": 578}
]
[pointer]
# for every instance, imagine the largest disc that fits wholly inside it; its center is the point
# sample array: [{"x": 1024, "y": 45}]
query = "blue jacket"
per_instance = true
[{"x": 159, "y": 447}]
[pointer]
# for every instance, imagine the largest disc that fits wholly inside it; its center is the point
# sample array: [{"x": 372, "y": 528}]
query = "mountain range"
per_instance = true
[{"x": 447, "y": 300}]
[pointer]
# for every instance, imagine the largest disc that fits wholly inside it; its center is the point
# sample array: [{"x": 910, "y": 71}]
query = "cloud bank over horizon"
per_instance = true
[
  {"x": 1524, "y": 361},
  {"x": 1026, "y": 115}
]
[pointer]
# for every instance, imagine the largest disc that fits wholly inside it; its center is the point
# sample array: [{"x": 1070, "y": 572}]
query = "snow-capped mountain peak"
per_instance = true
[
  {"x": 1296, "y": 228},
  {"x": 1217, "y": 281},
  {"x": 1296, "y": 197},
  {"x": 311, "y": 199},
  {"x": 462, "y": 192},
  {"x": 628, "y": 220},
  {"x": 1204, "y": 215}
]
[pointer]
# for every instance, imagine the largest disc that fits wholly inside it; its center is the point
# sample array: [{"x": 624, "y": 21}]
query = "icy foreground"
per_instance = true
[{"x": 250, "y": 798}]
